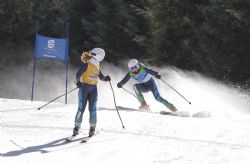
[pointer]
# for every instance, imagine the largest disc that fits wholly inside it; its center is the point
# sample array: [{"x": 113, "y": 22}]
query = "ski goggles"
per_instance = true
[
  {"x": 134, "y": 68},
  {"x": 93, "y": 54}
]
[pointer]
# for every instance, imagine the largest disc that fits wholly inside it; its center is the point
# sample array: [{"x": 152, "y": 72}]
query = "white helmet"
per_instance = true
[
  {"x": 98, "y": 54},
  {"x": 132, "y": 64}
]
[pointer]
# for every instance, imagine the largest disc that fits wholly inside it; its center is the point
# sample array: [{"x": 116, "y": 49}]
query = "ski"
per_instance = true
[
  {"x": 166, "y": 113},
  {"x": 178, "y": 113},
  {"x": 69, "y": 139},
  {"x": 137, "y": 110},
  {"x": 85, "y": 139}
]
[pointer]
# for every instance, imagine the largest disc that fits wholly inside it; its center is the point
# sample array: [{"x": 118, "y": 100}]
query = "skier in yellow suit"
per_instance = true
[{"x": 87, "y": 78}]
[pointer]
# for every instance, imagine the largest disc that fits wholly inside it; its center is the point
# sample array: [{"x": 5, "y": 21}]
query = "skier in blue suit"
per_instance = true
[{"x": 144, "y": 83}]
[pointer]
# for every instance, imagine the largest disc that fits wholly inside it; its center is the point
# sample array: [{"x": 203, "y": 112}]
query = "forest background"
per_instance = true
[{"x": 211, "y": 37}]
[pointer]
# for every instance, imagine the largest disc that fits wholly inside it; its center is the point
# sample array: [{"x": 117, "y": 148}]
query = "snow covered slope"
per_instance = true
[
  {"x": 31, "y": 136},
  {"x": 216, "y": 131}
]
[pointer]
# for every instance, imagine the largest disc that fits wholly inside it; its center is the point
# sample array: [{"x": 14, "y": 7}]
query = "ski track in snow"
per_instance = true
[{"x": 32, "y": 136}]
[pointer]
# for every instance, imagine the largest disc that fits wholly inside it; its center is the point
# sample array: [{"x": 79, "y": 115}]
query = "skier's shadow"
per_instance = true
[{"x": 39, "y": 148}]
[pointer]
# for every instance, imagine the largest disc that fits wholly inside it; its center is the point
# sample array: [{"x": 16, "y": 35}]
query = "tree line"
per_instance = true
[{"x": 208, "y": 36}]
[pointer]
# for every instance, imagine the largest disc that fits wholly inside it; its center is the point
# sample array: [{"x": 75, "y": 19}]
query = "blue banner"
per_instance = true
[{"x": 51, "y": 48}]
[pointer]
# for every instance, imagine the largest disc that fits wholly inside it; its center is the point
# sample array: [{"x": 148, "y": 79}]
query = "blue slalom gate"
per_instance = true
[{"x": 51, "y": 48}]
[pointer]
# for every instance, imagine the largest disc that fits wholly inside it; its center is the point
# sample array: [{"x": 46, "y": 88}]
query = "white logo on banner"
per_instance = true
[{"x": 51, "y": 43}]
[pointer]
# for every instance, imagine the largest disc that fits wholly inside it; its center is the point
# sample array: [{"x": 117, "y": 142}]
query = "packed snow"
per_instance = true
[{"x": 215, "y": 129}]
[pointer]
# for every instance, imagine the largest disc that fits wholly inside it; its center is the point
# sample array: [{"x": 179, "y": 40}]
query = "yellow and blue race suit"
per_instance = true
[{"x": 88, "y": 74}]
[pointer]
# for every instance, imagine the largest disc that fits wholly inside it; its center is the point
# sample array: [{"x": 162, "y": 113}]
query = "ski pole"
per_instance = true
[
  {"x": 116, "y": 105},
  {"x": 176, "y": 91},
  {"x": 129, "y": 92},
  {"x": 57, "y": 98}
]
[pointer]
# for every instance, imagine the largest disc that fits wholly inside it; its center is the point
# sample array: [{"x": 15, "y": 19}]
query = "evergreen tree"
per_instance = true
[{"x": 207, "y": 36}]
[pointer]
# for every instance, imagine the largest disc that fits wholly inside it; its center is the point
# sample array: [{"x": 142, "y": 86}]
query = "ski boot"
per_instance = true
[
  {"x": 91, "y": 131},
  {"x": 144, "y": 106},
  {"x": 75, "y": 131},
  {"x": 171, "y": 107}
]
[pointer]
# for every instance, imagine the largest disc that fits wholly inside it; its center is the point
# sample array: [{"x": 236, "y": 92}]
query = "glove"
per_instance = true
[
  {"x": 119, "y": 85},
  {"x": 107, "y": 78},
  {"x": 78, "y": 84},
  {"x": 158, "y": 76}
]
